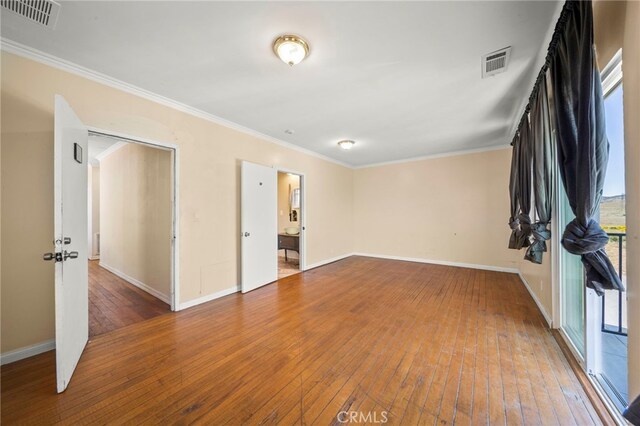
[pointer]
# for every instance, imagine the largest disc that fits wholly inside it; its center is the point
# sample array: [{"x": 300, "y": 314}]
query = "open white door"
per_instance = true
[
  {"x": 259, "y": 225},
  {"x": 70, "y": 212}
]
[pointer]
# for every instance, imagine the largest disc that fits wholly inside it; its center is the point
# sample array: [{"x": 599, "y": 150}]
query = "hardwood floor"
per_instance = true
[
  {"x": 115, "y": 303},
  {"x": 425, "y": 344}
]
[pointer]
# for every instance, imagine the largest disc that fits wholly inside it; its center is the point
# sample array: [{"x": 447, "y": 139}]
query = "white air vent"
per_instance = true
[
  {"x": 43, "y": 12},
  {"x": 495, "y": 62}
]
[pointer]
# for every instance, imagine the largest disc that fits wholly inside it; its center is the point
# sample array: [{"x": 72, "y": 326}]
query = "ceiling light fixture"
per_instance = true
[
  {"x": 291, "y": 49},
  {"x": 346, "y": 144}
]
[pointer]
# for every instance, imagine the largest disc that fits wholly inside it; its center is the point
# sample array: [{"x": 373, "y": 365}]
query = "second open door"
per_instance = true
[{"x": 259, "y": 225}]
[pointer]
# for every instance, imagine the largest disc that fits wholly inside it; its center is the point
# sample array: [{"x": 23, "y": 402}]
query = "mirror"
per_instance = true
[{"x": 295, "y": 198}]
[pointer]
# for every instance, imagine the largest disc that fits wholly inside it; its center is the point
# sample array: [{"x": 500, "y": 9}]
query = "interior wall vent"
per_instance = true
[
  {"x": 43, "y": 12},
  {"x": 495, "y": 62}
]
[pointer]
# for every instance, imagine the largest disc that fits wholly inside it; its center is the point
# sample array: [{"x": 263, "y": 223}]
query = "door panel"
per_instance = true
[
  {"x": 259, "y": 225},
  {"x": 70, "y": 212}
]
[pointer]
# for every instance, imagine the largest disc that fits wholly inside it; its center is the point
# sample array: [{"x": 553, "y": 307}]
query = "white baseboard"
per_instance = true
[
  {"x": 546, "y": 316},
  {"x": 96, "y": 257},
  {"x": 142, "y": 286},
  {"x": 209, "y": 297},
  {"x": 440, "y": 262},
  {"x": 27, "y": 351},
  {"x": 327, "y": 261}
]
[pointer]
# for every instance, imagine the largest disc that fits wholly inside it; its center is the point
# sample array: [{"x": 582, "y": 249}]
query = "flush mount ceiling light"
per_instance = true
[
  {"x": 346, "y": 144},
  {"x": 291, "y": 49}
]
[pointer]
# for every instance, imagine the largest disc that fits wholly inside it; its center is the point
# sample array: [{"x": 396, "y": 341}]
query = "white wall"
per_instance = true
[{"x": 93, "y": 201}]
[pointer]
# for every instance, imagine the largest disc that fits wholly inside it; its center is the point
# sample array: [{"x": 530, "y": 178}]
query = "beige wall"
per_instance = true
[
  {"x": 631, "y": 81},
  {"x": 284, "y": 180},
  {"x": 27, "y": 233},
  {"x": 94, "y": 208},
  {"x": 608, "y": 28},
  {"x": 136, "y": 210},
  {"x": 210, "y": 155},
  {"x": 446, "y": 209}
]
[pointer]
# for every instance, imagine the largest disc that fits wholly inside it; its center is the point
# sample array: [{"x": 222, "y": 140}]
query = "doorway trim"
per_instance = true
[
  {"x": 303, "y": 215},
  {"x": 175, "y": 240}
]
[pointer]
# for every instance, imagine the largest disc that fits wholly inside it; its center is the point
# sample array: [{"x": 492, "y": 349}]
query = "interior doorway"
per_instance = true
[
  {"x": 130, "y": 232},
  {"x": 272, "y": 224},
  {"x": 290, "y": 213}
]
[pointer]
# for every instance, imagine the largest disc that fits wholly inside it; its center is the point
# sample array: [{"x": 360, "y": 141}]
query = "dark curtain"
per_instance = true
[
  {"x": 632, "y": 413},
  {"x": 524, "y": 185},
  {"x": 514, "y": 223},
  {"x": 541, "y": 149},
  {"x": 583, "y": 148}
]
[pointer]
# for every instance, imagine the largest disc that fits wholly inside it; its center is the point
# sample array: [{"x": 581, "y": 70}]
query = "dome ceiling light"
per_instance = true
[
  {"x": 346, "y": 144},
  {"x": 291, "y": 49}
]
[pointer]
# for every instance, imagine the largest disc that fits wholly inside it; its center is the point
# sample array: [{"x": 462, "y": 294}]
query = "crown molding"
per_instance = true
[
  {"x": 435, "y": 156},
  {"x": 27, "y": 52},
  {"x": 24, "y": 51}
]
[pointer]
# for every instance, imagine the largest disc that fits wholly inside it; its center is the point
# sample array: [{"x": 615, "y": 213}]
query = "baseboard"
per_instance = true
[
  {"x": 546, "y": 316},
  {"x": 96, "y": 257},
  {"x": 27, "y": 351},
  {"x": 209, "y": 297},
  {"x": 142, "y": 286},
  {"x": 440, "y": 262},
  {"x": 327, "y": 261}
]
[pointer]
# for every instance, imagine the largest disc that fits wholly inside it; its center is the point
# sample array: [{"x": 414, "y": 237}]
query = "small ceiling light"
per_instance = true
[
  {"x": 346, "y": 144},
  {"x": 291, "y": 49},
  {"x": 289, "y": 131}
]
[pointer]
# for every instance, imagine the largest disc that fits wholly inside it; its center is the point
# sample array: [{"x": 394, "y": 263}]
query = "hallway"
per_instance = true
[{"x": 115, "y": 303}]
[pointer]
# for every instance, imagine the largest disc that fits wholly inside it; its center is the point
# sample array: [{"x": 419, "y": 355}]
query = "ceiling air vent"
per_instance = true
[
  {"x": 43, "y": 12},
  {"x": 495, "y": 62}
]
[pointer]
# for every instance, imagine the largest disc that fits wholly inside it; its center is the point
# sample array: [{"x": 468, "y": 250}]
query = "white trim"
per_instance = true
[
  {"x": 27, "y": 351},
  {"x": 175, "y": 254},
  {"x": 546, "y": 315},
  {"x": 441, "y": 262},
  {"x": 435, "y": 156},
  {"x": 612, "y": 74},
  {"x": 53, "y": 61},
  {"x": 142, "y": 286},
  {"x": 107, "y": 152},
  {"x": 209, "y": 297},
  {"x": 330, "y": 260},
  {"x": 606, "y": 400},
  {"x": 96, "y": 257}
]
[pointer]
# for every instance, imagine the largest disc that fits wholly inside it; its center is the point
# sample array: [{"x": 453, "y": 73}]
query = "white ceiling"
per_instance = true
[{"x": 400, "y": 78}]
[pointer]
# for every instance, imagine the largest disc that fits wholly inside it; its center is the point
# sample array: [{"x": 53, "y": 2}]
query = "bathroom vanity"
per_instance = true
[{"x": 288, "y": 242}]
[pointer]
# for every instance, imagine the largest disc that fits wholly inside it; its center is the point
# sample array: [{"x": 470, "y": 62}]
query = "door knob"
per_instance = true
[
  {"x": 56, "y": 257},
  {"x": 246, "y": 234},
  {"x": 70, "y": 255}
]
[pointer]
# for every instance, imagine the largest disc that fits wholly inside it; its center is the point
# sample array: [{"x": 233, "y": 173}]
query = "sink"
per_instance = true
[{"x": 292, "y": 230}]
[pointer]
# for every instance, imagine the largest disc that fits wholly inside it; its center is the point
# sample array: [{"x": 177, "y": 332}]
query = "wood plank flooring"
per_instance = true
[
  {"x": 423, "y": 344},
  {"x": 115, "y": 303}
]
